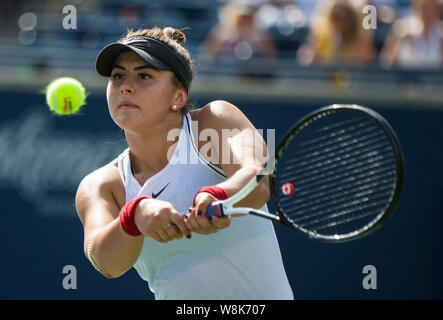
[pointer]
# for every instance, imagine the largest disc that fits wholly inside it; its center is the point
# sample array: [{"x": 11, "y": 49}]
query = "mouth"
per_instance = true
[{"x": 127, "y": 105}]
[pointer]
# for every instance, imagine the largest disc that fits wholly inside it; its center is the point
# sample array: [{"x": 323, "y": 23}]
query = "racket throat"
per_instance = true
[{"x": 264, "y": 215}]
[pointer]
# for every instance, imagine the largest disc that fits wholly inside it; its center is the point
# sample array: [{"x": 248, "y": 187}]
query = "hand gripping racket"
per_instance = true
[{"x": 338, "y": 175}]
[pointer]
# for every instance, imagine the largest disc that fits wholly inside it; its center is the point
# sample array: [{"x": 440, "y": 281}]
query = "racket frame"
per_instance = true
[{"x": 399, "y": 163}]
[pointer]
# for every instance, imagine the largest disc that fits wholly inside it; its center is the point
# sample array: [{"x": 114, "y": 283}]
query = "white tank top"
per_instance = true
[{"x": 242, "y": 261}]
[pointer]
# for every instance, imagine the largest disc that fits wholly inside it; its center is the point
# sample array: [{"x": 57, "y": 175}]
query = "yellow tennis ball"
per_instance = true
[{"x": 65, "y": 95}]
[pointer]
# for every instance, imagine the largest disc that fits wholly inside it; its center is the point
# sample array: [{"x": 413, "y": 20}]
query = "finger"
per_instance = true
[
  {"x": 188, "y": 222},
  {"x": 155, "y": 236},
  {"x": 163, "y": 235},
  {"x": 179, "y": 223},
  {"x": 179, "y": 233},
  {"x": 192, "y": 220},
  {"x": 173, "y": 231},
  {"x": 206, "y": 227},
  {"x": 221, "y": 223},
  {"x": 197, "y": 222},
  {"x": 201, "y": 216},
  {"x": 204, "y": 222}
]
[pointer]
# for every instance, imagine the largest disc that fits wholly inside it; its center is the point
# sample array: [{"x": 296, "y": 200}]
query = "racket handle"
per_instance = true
[{"x": 215, "y": 209}]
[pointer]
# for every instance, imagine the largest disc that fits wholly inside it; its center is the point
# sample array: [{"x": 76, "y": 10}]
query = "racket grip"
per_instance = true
[{"x": 214, "y": 209}]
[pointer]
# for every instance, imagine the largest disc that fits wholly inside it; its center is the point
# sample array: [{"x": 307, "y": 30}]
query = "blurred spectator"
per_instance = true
[
  {"x": 286, "y": 24},
  {"x": 337, "y": 35},
  {"x": 238, "y": 36},
  {"x": 386, "y": 16},
  {"x": 416, "y": 41}
]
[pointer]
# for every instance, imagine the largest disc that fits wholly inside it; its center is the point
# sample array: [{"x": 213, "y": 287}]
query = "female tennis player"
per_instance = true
[{"x": 132, "y": 209}]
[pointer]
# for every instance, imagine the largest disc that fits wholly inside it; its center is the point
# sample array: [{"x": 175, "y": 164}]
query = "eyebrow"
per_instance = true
[{"x": 135, "y": 69}]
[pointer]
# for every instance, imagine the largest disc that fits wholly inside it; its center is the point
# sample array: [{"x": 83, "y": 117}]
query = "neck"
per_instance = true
[{"x": 149, "y": 150}]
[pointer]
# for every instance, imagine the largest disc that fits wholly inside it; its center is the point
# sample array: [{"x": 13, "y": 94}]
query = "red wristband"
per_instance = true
[
  {"x": 217, "y": 192},
  {"x": 126, "y": 217}
]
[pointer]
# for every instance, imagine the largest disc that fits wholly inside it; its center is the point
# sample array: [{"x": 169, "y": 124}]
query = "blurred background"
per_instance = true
[{"x": 276, "y": 60}]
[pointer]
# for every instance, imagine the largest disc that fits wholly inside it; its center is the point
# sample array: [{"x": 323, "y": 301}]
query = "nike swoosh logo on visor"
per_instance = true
[{"x": 155, "y": 195}]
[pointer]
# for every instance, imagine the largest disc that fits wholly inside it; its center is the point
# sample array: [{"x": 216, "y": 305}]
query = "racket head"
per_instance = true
[{"x": 347, "y": 169}]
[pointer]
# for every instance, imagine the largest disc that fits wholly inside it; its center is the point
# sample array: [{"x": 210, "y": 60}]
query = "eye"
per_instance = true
[
  {"x": 116, "y": 76},
  {"x": 144, "y": 76}
]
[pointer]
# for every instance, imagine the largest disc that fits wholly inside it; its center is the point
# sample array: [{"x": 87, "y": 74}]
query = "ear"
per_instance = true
[{"x": 180, "y": 97}]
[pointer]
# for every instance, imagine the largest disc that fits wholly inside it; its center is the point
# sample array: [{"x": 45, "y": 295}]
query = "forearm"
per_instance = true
[
  {"x": 112, "y": 251},
  {"x": 257, "y": 198}
]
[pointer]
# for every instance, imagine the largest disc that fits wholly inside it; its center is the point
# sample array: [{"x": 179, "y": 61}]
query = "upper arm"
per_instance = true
[
  {"x": 239, "y": 147},
  {"x": 96, "y": 202},
  {"x": 234, "y": 140}
]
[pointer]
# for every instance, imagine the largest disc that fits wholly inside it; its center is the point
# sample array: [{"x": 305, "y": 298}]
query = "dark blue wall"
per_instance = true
[{"x": 43, "y": 158}]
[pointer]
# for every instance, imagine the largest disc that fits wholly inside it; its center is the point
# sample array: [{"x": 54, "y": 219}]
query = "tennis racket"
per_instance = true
[{"x": 337, "y": 176}]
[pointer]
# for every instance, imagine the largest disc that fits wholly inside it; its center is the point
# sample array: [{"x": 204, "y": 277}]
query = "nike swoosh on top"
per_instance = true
[{"x": 155, "y": 195}]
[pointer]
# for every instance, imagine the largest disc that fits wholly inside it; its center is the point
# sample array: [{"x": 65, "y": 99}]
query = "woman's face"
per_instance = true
[{"x": 139, "y": 96}]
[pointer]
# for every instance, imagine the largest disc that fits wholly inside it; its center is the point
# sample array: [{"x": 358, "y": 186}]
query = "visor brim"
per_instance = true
[{"x": 107, "y": 56}]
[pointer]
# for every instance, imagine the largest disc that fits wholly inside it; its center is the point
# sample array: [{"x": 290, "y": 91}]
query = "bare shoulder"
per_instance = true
[
  {"x": 219, "y": 114},
  {"x": 106, "y": 177},
  {"x": 103, "y": 185}
]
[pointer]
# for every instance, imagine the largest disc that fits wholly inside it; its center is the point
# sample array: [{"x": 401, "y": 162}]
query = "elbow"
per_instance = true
[
  {"x": 106, "y": 273},
  {"x": 115, "y": 272},
  {"x": 109, "y": 269},
  {"x": 110, "y": 276}
]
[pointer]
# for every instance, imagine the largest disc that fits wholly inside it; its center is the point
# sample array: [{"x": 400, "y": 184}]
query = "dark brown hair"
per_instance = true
[{"x": 171, "y": 37}]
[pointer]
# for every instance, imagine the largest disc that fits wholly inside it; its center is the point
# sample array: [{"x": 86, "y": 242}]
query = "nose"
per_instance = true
[{"x": 127, "y": 87}]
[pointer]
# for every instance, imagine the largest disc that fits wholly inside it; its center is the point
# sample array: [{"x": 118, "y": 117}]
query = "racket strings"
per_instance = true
[
  {"x": 352, "y": 178},
  {"x": 353, "y": 218},
  {"x": 331, "y": 167},
  {"x": 322, "y": 176},
  {"x": 354, "y": 153},
  {"x": 344, "y": 149},
  {"x": 341, "y": 136},
  {"x": 343, "y": 197},
  {"x": 344, "y": 209},
  {"x": 343, "y": 171},
  {"x": 332, "y": 126}
]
